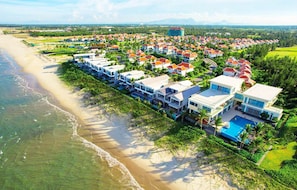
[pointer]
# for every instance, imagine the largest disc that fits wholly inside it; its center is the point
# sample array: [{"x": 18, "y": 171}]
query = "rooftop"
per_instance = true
[
  {"x": 156, "y": 82},
  {"x": 136, "y": 74},
  {"x": 185, "y": 94},
  {"x": 211, "y": 98},
  {"x": 263, "y": 92},
  {"x": 228, "y": 81},
  {"x": 114, "y": 68}
]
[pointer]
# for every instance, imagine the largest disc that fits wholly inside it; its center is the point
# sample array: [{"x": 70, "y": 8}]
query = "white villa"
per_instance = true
[
  {"x": 127, "y": 78},
  {"x": 149, "y": 86},
  {"x": 218, "y": 99},
  {"x": 112, "y": 71},
  {"x": 78, "y": 57},
  {"x": 164, "y": 93},
  {"x": 260, "y": 99}
]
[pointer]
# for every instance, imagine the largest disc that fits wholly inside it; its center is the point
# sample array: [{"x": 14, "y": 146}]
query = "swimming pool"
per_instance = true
[{"x": 236, "y": 127}]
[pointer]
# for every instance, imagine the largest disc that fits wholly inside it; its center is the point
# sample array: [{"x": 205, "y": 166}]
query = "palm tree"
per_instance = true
[
  {"x": 218, "y": 122},
  {"x": 248, "y": 128},
  {"x": 258, "y": 128},
  {"x": 202, "y": 116},
  {"x": 243, "y": 137}
]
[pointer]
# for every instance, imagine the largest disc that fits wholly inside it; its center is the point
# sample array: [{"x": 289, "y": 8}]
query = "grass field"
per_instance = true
[
  {"x": 274, "y": 158},
  {"x": 287, "y": 51}
]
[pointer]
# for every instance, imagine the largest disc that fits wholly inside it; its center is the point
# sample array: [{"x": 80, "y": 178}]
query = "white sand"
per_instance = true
[{"x": 152, "y": 168}]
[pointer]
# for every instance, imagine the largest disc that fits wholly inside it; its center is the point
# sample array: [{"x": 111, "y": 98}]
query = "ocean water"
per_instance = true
[{"x": 39, "y": 146}]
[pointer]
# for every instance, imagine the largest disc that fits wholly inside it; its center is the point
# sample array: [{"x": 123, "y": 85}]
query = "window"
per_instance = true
[
  {"x": 193, "y": 104},
  {"x": 206, "y": 108},
  {"x": 239, "y": 96},
  {"x": 256, "y": 103}
]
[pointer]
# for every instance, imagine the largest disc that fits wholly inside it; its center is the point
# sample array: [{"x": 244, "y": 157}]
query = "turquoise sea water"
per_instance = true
[{"x": 39, "y": 148}]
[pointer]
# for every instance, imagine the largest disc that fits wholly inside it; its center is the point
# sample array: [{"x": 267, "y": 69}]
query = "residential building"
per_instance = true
[
  {"x": 79, "y": 57},
  {"x": 229, "y": 71},
  {"x": 129, "y": 77},
  {"x": 174, "y": 97},
  {"x": 218, "y": 99},
  {"x": 161, "y": 63},
  {"x": 164, "y": 93},
  {"x": 148, "y": 86},
  {"x": 259, "y": 100},
  {"x": 112, "y": 71}
]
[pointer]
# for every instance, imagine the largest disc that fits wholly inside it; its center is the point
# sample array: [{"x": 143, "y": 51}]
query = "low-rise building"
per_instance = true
[
  {"x": 258, "y": 101},
  {"x": 148, "y": 86},
  {"x": 218, "y": 98},
  {"x": 129, "y": 77}
]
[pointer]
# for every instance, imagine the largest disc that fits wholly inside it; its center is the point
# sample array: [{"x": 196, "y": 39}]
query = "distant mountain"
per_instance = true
[
  {"x": 186, "y": 21},
  {"x": 172, "y": 21}
]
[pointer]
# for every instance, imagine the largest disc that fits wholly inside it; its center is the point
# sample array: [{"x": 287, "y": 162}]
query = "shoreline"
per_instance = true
[{"x": 152, "y": 168}]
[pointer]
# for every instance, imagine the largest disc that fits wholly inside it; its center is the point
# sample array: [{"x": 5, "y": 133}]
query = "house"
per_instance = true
[
  {"x": 181, "y": 69},
  {"x": 184, "y": 68},
  {"x": 188, "y": 57},
  {"x": 178, "y": 102},
  {"x": 172, "y": 68},
  {"x": 148, "y": 86},
  {"x": 111, "y": 72},
  {"x": 229, "y": 71},
  {"x": 161, "y": 63},
  {"x": 148, "y": 47},
  {"x": 232, "y": 62},
  {"x": 218, "y": 99},
  {"x": 163, "y": 94},
  {"x": 114, "y": 48},
  {"x": 97, "y": 65},
  {"x": 129, "y": 77},
  {"x": 77, "y": 58},
  {"x": 259, "y": 99},
  {"x": 142, "y": 60},
  {"x": 132, "y": 57}
]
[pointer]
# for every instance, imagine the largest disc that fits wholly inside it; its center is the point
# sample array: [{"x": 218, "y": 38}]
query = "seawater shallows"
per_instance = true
[{"x": 39, "y": 145}]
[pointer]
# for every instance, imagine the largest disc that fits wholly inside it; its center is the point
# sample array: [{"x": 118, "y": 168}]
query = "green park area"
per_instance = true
[{"x": 274, "y": 159}]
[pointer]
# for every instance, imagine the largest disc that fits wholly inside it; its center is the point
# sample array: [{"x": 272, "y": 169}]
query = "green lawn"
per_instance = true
[
  {"x": 287, "y": 51},
  {"x": 274, "y": 158}
]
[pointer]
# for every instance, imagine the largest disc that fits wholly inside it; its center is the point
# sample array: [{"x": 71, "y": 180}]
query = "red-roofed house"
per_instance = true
[
  {"x": 161, "y": 63},
  {"x": 229, "y": 71},
  {"x": 142, "y": 60},
  {"x": 181, "y": 69}
]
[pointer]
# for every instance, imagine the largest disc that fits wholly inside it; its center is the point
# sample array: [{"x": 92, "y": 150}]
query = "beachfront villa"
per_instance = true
[
  {"x": 146, "y": 88},
  {"x": 258, "y": 101},
  {"x": 112, "y": 72},
  {"x": 78, "y": 57},
  {"x": 174, "y": 97},
  {"x": 178, "y": 102},
  {"x": 218, "y": 99},
  {"x": 129, "y": 77}
]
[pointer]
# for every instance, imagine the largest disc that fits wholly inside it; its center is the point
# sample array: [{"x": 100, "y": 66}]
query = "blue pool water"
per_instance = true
[{"x": 236, "y": 127}]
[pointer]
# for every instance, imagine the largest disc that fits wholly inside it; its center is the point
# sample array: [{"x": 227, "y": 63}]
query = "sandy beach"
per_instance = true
[{"x": 151, "y": 167}]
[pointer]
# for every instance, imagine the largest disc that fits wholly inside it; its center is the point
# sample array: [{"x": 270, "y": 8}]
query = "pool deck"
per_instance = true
[{"x": 232, "y": 112}]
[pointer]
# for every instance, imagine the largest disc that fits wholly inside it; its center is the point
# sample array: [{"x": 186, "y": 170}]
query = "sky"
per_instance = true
[{"x": 243, "y": 12}]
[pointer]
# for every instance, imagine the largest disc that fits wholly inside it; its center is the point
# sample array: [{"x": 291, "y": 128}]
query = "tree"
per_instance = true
[
  {"x": 243, "y": 138},
  {"x": 218, "y": 122},
  {"x": 258, "y": 128},
  {"x": 201, "y": 117}
]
